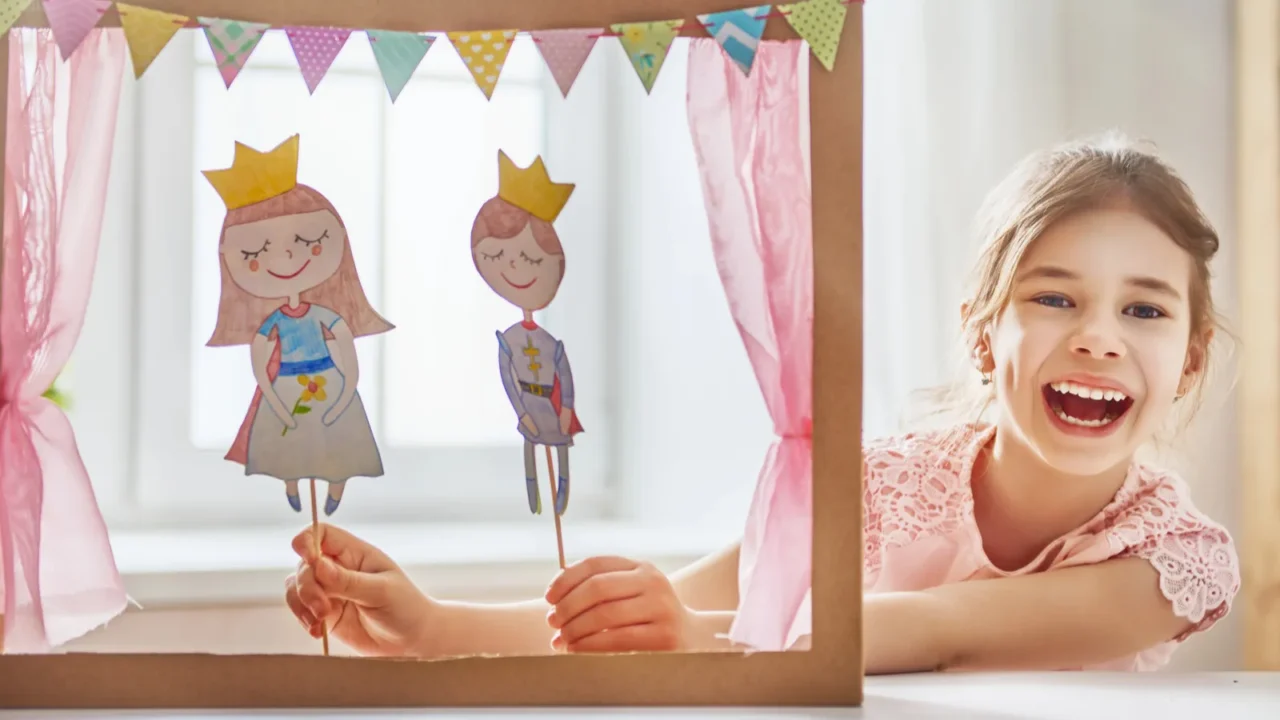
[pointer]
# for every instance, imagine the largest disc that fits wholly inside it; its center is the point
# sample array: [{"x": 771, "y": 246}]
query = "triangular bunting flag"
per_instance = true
[
  {"x": 565, "y": 52},
  {"x": 398, "y": 55},
  {"x": 71, "y": 21},
  {"x": 147, "y": 32},
  {"x": 738, "y": 32},
  {"x": 820, "y": 23},
  {"x": 646, "y": 44},
  {"x": 232, "y": 42},
  {"x": 316, "y": 48},
  {"x": 484, "y": 52},
  {"x": 10, "y": 11}
]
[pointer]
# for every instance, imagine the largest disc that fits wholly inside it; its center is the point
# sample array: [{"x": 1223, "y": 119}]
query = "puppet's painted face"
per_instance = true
[
  {"x": 284, "y": 256},
  {"x": 518, "y": 270}
]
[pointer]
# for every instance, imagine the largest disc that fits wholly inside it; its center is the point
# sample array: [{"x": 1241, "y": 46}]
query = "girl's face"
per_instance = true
[
  {"x": 518, "y": 270},
  {"x": 1092, "y": 349},
  {"x": 284, "y": 256}
]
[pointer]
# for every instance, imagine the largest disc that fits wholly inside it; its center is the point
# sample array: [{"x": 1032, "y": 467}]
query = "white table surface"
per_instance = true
[{"x": 1033, "y": 696}]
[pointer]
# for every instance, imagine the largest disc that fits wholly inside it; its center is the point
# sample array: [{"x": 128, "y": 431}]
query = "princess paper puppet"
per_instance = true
[
  {"x": 290, "y": 292},
  {"x": 517, "y": 252}
]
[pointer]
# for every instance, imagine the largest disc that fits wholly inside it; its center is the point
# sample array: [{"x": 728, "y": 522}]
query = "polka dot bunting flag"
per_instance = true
[
  {"x": 484, "y": 52},
  {"x": 820, "y": 23},
  {"x": 10, "y": 11},
  {"x": 315, "y": 49}
]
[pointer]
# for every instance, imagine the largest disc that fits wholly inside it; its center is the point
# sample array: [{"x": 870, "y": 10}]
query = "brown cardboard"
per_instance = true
[{"x": 829, "y": 674}]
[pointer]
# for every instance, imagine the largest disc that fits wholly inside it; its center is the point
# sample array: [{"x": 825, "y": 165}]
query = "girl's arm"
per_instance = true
[
  {"x": 1048, "y": 621},
  {"x": 260, "y": 357}
]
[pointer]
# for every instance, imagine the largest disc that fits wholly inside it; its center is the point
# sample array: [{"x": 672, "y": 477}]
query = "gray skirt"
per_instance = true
[{"x": 335, "y": 453}]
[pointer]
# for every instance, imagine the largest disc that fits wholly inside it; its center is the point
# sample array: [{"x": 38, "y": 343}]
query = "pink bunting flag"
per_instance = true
[
  {"x": 565, "y": 52},
  {"x": 316, "y": 48},
  {"x": 71, "y": 21}
]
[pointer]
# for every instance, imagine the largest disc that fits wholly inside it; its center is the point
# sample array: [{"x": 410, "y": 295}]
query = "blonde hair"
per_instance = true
[
  {"x": 1106, "y": 171},
  {"x": 241, "y": 314}
]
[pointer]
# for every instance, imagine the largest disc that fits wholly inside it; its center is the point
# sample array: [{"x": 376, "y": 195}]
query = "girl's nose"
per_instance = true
[{"x": 290, "y": 253}]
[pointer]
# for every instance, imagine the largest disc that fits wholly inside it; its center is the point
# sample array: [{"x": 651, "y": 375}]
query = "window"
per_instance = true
[{"x": 675, "y": 427}]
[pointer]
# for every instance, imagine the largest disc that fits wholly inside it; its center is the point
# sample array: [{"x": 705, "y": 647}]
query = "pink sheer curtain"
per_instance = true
[
  {"x": 751, "y": 136},
  {"x": 60, "y": 579}
]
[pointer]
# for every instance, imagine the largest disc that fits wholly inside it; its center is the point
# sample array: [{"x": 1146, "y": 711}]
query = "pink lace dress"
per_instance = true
[{"x": 920, "y": 532}]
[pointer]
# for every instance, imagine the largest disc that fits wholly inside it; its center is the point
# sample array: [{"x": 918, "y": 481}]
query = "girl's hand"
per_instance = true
[
  {"x": 366, "y": 600},
  {"x": 612, "y": 604}
]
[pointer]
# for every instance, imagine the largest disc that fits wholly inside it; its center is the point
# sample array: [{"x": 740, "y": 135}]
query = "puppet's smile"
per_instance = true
[
  {"x": 518, "y": 287},
  {"x": 294, "y": 275}
]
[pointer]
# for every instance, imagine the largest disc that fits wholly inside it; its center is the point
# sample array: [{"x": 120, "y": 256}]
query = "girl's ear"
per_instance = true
[{"x": 1194, "y": 366}]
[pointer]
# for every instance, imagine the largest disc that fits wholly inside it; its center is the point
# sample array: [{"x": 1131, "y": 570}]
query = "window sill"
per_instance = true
[{"x": 482, "y": 562}]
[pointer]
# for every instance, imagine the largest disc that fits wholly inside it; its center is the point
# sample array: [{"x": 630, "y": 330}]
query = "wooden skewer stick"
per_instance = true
[
  {"x": 551, "y": 476},
  {"x": 315, "y": 533}
]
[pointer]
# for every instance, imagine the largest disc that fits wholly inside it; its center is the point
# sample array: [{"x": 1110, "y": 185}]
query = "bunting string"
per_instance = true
[{"x": 820, "y": 23}]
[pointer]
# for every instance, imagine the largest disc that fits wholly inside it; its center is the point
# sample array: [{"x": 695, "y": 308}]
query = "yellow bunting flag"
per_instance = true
[
  {"x": 646, "y": 44},
  {"x": 820, "y": 23},
  {"x": 484, "y": 52},
  {"x": 147, "y": 31},
  {"x": 10, "y": 11}
]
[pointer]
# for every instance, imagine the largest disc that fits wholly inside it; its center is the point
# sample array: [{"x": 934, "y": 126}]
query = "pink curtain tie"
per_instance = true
[{"x": 804, "y": 433}]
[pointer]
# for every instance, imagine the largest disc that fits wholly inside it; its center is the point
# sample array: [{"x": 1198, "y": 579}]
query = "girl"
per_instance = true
[
  {"x": 516, "y": 250},
  {"x": 1029, "y": 539},
  {"x": 290, "y": 291}
]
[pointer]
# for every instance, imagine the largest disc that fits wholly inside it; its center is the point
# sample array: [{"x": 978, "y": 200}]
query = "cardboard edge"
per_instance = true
[{"x": 831, "y": 674}]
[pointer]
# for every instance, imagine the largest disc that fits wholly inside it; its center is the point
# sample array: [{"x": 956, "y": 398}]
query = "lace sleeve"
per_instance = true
[
  {"x": 873, "y": 464},
  {"x": 1196, "y": 558}
]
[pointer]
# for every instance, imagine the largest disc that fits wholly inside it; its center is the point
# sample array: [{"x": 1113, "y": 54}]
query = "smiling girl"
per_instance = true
[
  {"x": 1023, "y": 534},
  {"x": 518, "y": 253},
  {"x": 291, "y": 292}
]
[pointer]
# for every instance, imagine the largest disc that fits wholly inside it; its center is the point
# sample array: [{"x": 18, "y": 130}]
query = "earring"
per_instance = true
[{"x": 986, "y": 379}]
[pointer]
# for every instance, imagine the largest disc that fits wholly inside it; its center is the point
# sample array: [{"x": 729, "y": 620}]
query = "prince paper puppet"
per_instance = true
[{"x": 517, "y": 252}]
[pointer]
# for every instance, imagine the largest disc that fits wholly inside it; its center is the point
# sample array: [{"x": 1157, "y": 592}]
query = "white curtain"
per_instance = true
[{"x": 955, "y": 93}]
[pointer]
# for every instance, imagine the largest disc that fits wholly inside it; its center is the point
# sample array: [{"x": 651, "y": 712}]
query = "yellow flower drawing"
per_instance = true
[{"x": 312, "y": 388}]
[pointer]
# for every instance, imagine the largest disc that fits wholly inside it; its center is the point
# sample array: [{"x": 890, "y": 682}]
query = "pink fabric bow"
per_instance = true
[
  {"x": 750, "y": 134},
  {"x": 59, "y": 576}
]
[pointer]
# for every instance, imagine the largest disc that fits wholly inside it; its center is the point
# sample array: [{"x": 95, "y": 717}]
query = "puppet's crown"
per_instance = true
[
  {"x": 530, "y": 189},
  {"x": 256, "y": 176}
]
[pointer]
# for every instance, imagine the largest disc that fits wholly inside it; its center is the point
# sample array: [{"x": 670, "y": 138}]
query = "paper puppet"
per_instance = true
[
  {"x": 290, "y": 291},
  {"x": 517, "y": 252}
]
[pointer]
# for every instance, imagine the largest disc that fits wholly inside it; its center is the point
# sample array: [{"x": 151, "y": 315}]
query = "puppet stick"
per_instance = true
[
  {"x": 315, "y": 532},
  {"x": 551, "y": 476}
]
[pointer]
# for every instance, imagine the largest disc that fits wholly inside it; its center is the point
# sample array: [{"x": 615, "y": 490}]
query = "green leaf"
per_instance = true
[{"x": 302, "y": 410}]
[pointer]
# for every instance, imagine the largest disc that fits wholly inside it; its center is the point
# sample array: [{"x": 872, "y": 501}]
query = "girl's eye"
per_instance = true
[
  {"x": 1056, "y": 301},
  {"x": 304, "y": 241},
  {"x": 1145, "y": 312},
  {"x": 495, "y": 256},
  {"x": 254, "y": 254},
  {"x": 530, "y": 260}
]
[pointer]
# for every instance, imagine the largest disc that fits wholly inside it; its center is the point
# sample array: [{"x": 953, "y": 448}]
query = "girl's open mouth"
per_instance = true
[{"x": 1085, "y": 407}]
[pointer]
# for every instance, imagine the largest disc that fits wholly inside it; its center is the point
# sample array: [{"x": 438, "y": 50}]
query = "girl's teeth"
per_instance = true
[
  {"x": 1087, "y": 392},
  {"x": 1083, "y": 423}
]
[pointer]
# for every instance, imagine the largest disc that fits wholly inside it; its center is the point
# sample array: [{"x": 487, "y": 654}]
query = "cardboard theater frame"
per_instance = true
[{"x": 829, "y": 674}]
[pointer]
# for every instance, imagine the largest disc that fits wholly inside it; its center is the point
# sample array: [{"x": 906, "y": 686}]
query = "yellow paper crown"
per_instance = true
[
  {"x": 256, "y": 176},
  {"x": 530, "y": 189}
]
